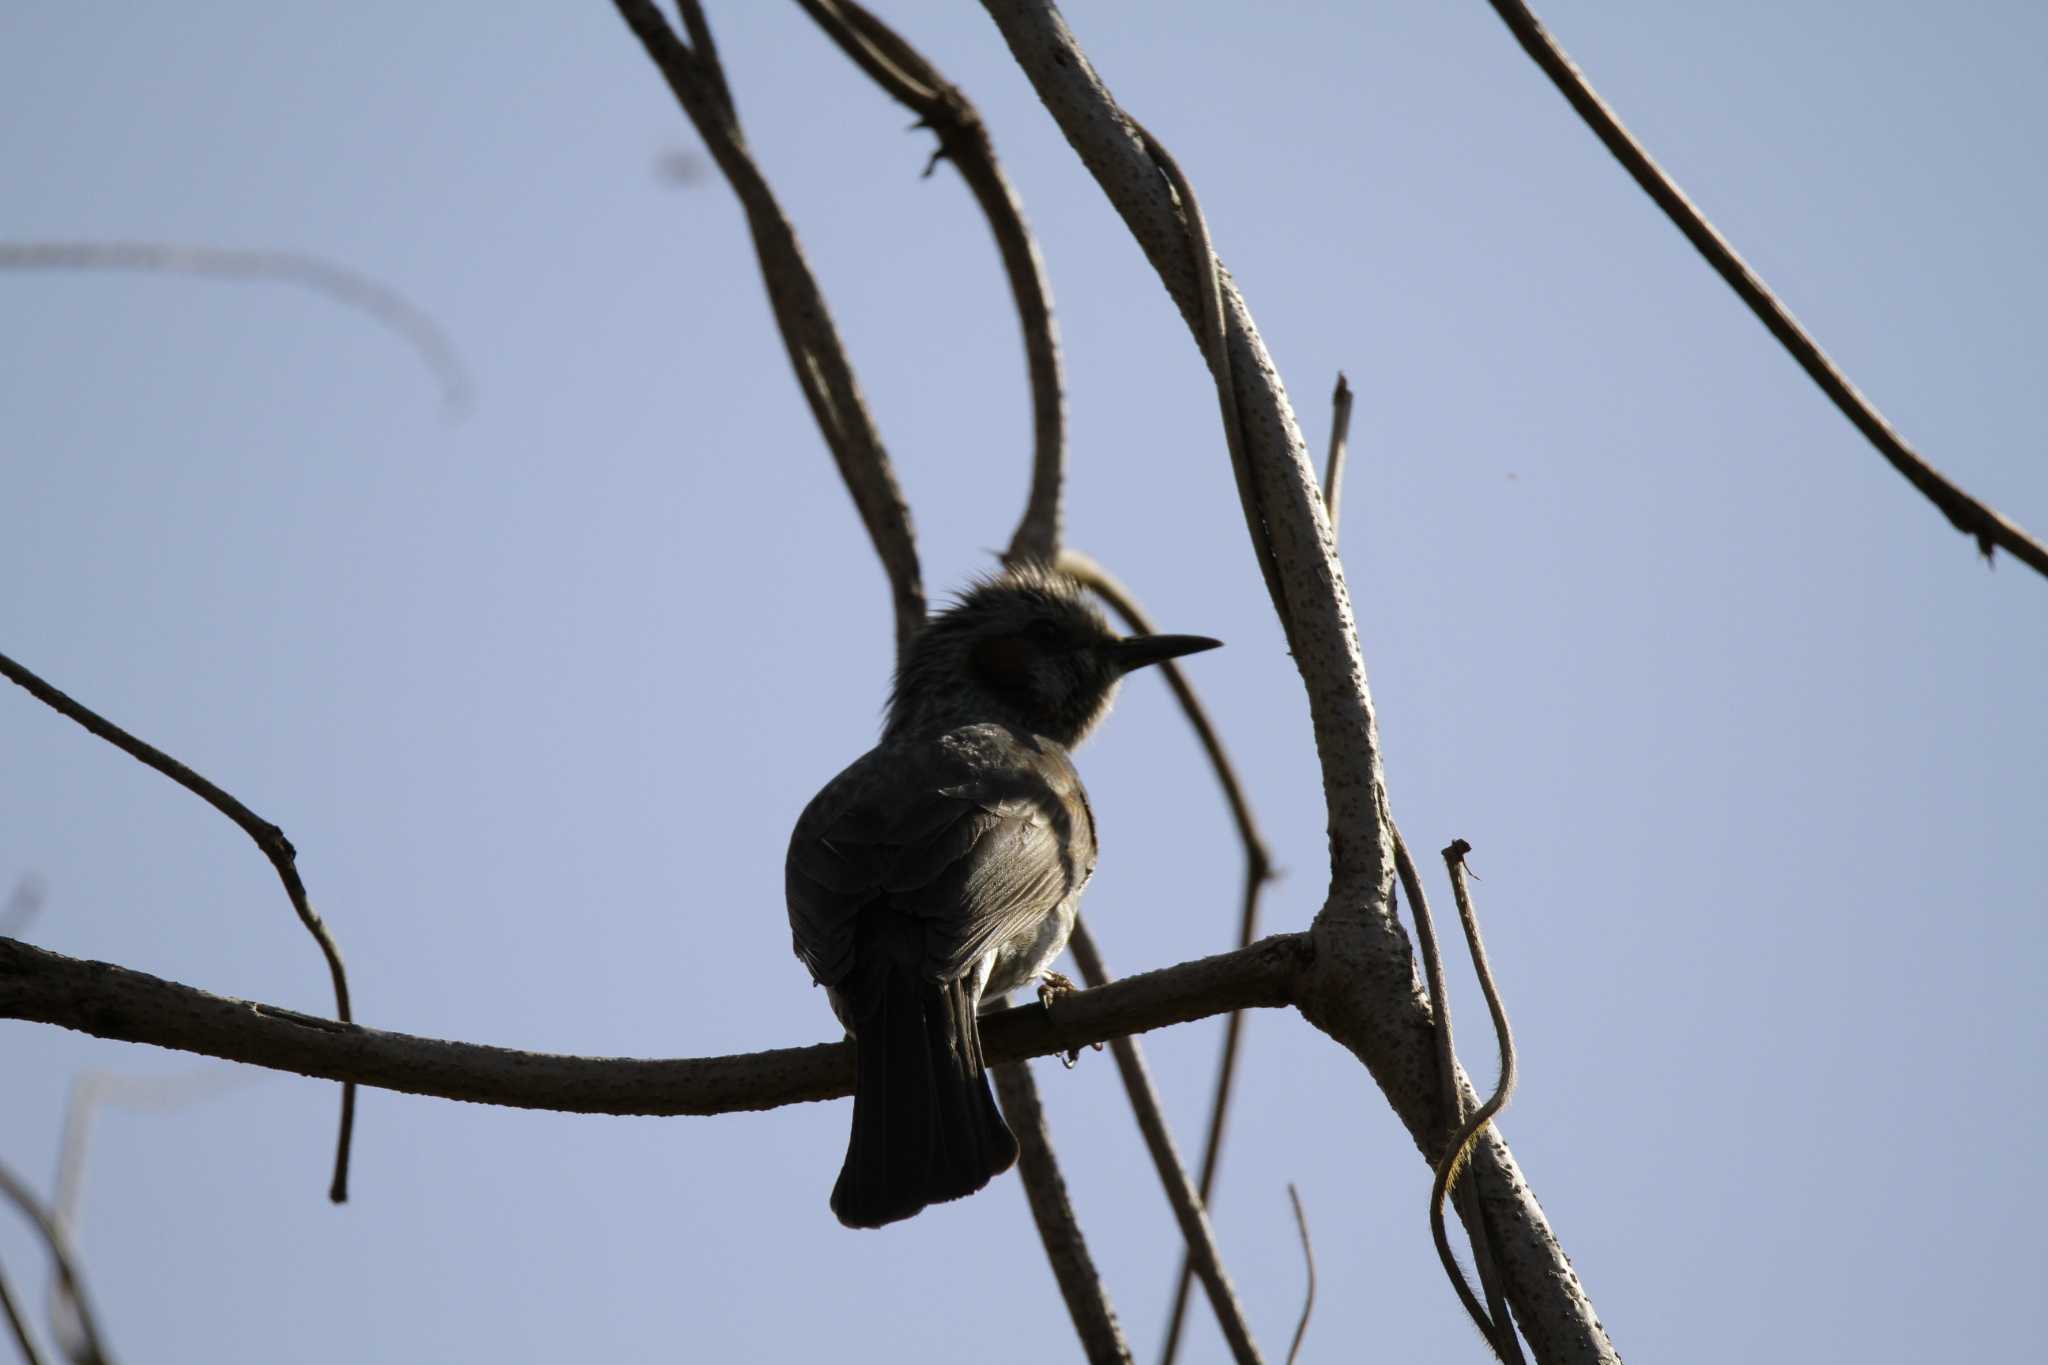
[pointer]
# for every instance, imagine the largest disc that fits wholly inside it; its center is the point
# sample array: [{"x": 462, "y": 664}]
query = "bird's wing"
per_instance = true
[{"x": 977, "y": 841}]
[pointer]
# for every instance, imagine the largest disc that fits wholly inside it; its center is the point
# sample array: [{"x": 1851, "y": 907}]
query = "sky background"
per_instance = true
[{"x": 1748, "y": 741}]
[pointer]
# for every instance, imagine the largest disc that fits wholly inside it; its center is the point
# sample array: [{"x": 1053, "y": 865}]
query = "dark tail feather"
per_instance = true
[{"x": 925, "y": 1124}]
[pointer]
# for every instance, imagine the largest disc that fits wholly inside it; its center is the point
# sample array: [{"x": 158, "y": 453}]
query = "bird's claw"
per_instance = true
[{"x": 1052, "y": 986}]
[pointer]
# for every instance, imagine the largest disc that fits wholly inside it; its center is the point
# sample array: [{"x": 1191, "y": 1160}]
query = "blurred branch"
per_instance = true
[
  {"x": 384, "y": 305},
  {"x": 107, "y": 1001},
  {"x": 1258, "y": 870},
  {"x": 816, "y": 354},
  {"x": 1180, "y": 1191},
  {"x": 1990, "y": 530},
  {"x": 1308, "y": 1255},
  {"x": 1340, "y": 432},
  {"x": 11, "y": 1306},
  {"x": 268, "y": 837},
  {"x": 24, "y": 903},
  {"x": 63, "y": 1257},
  {"x": 915, "y": 83},
  {"x": 1046, "y": 1191}
]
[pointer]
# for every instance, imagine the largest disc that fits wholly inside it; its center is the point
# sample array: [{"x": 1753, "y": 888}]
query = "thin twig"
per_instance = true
[
  {"x": 1216, "y": 349},
  {"x": 1447, "y": 1068},
  {"x": 1173, "y": 1175},
  {"x": 1258, "y": 870},
  {"x": 268, "y": 837},
  {"x": 94, "y": 1090},
  {"x": 816, "y": 354},
  {"x": 1308, "y": 1255},
  {"x": 916, "y": 84},
  {"x": 30, "y": 1353},
  {"x": 1045, "y": 1190},
  {"x": 383, "y": 304},
  {"x": 1453, "y": 1160},
  {"x": 1340, "y": 431},
  {"x": 62, "y": 1255},
  {"x": 1990, "y": 530}
]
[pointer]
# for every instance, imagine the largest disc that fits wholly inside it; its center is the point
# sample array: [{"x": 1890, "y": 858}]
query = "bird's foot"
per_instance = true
[{"x": 1052, "y": 986}]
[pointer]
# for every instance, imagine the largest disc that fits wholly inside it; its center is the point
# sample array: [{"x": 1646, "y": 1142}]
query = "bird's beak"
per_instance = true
[{"x": 1140, "y": 650}]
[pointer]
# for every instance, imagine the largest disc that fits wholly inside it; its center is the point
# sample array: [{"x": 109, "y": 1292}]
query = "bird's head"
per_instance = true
[{"x": 1023, "y": 646}]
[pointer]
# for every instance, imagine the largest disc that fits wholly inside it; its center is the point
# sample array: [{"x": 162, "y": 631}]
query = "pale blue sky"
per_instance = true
[{"x": 1749, "y": 743}]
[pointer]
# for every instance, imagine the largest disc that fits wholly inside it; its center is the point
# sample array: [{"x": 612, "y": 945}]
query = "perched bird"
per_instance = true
[{"x": 945, "y": 866}]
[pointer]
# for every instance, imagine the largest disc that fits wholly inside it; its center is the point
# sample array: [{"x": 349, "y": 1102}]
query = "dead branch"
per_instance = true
[
  {"x": 1984, "y": 524},
  {"x": 23, "y": 1338},
  {"x": 816, "y": 354},
  {"x": 1308, "y": 1256},
  {"x": 1360, "y": 987},
  {"x": 916, "y": 84},
  {"x": 62, "y": 1256},
  {"x": 1340, "y": 432},
  {"x": 268, "y": 837},
  {"x": 384, "y": 305},
  {"x": 1187, "y": 1204},
  {"x": 1045, "y": 1189},
  {"x": 108, "y": 1001},
  {"x": 1258, "y": 870}
]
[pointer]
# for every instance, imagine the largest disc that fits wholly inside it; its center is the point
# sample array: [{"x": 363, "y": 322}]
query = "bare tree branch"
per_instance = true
[
  {"x": 916, "y": 84},
  {"x": 1180, "y": 1191},
  {"x": 384, "y": 305},
  {"x": 1973, "y": 518},
  {"x": 268, "y": 837},
  {"x": 1360, "y": 986},
  {"x": 815, "y": 352},
  {"x": 62, "y": 1255},
  {"x": 1308, "y": 1255},
  {"x": 107, "y": 1001},
  {"x": 1258, "y": 870},
  {"x": 23, "y": 1338},
  {"x": 1046, "y": 1191},
  {"x": 1340, "y": 432}
]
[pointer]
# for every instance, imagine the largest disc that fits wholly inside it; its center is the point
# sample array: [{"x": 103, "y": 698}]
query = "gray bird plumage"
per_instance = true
[{"x": 946, "y": 865}]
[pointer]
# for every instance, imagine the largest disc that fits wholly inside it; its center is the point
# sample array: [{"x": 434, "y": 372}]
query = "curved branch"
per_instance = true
[
  {"x": 1973, "y": 518},
  {"x": 268, "y": 837},
  {"x": 1046, "y": 1191},
  {"x": 816, "y": 353},
  {"x": 1308, "y": 1254},
  {"x": 384, "y": 305},
  {"x": 108, "y": 1001},
  {"x": 1258, "y": 870},
  {"x": 915, "y": 83},
  {"x": 61, "y": 1254},
  {"x": 1187, "y": 1205},
  {"x": 11, "y": 1307}
]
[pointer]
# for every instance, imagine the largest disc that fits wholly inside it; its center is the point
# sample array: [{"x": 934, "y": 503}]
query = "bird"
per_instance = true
[{"x": 945, "y": 866}]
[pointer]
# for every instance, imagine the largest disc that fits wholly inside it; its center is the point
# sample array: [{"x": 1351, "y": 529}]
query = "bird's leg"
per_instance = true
[{"x": 1051, "y": 987}]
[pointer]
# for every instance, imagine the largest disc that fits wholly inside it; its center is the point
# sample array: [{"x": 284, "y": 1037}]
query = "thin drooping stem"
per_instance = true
[
  {"x": 1180, "y": 1191},
  {"x": 1045, "y": 1189},
  {"x": 1985, "y": 525},
  {"x": 916, "y": 84},
  {"x": 107, "y": 1001},
  {"x": 1340, "y": 434},
  {"x": 1308, "y": 1256},
  {"x": 1453, "y": 1160},
  {"x": 62, "y": 1256},
  {"x": 1447, "y": 1072},
  {"x": 384, "y": 305},
  {"x": 1258, "y": 870},
  {"x": 268, "y": 837},
  {"x": 816, "y": 354}
]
